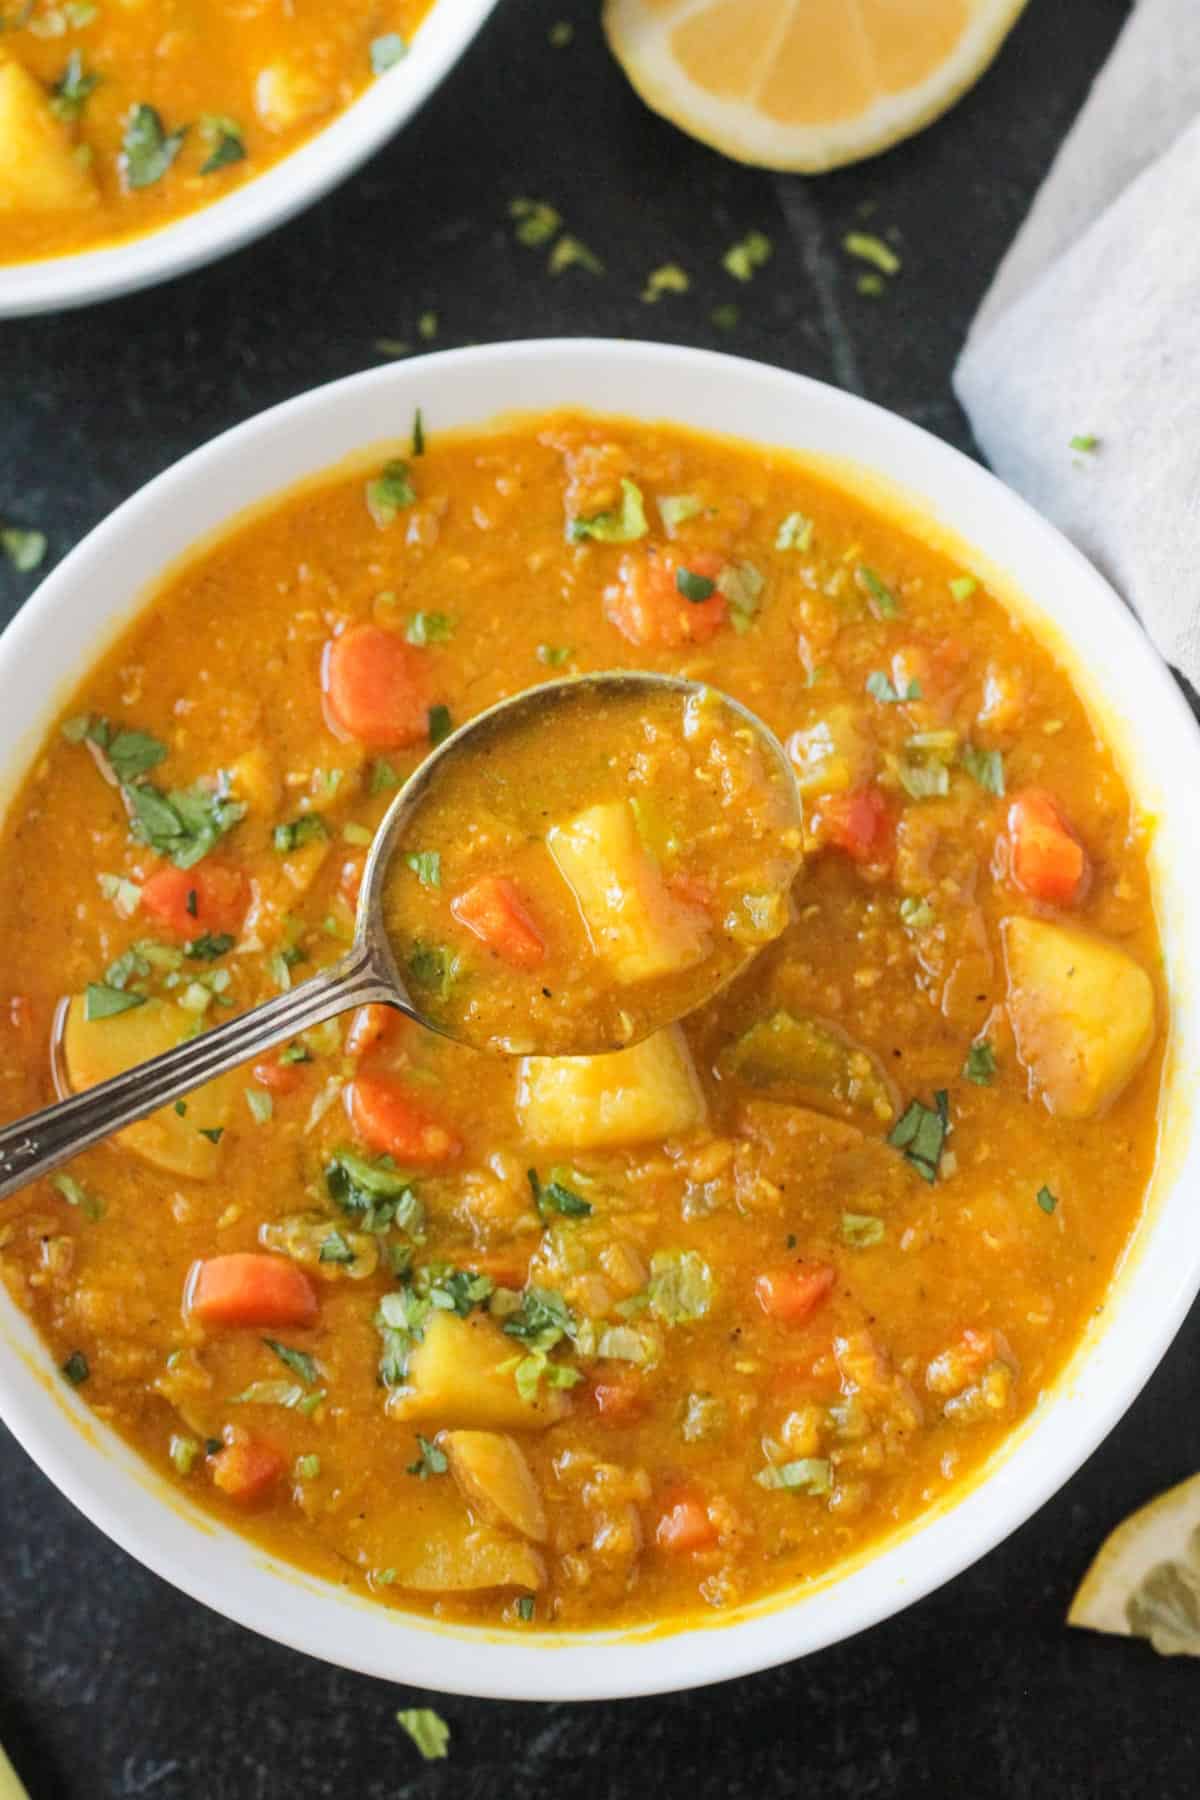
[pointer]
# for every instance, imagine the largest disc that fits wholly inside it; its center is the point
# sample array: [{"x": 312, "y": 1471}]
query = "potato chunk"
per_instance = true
[
  {"x": 496, "y": 1481},
  {"x": 39, "y": 171},
  {"x": 635, "y": 924},
  {"x": 455, "y": 1378},
  {"x": 627, "y": 1097},
  {"x": 1082, "y": 1012},
  {"x": 834, "y": 754},
  {"x": 95, "y": 1050},
  {"x": 460, "y": 1558}
]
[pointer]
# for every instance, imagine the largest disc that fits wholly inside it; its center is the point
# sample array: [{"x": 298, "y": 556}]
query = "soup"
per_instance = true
[
  {"x": 593, "y": 869},
  {"x": 116, "y": 119},
  {"x": 601, "y": 1340}
]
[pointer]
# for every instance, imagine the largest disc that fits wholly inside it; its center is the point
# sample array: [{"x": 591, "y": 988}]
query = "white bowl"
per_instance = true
[
  {"x": 57, "y": 282},
  {"x": 101, "y": 585}
]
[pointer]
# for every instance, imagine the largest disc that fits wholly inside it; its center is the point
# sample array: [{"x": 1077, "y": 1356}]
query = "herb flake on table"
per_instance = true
[
  {"x": 750, "y": 253},
  {"x": 428, "y": 1731},
  {"x": 148, "y": 150},
  {"x": 871, "y": 249},
  {"x": 24, "y": 548},
  {"x": 668, "y": 278},
  {"x": 1085, "y": 442}
]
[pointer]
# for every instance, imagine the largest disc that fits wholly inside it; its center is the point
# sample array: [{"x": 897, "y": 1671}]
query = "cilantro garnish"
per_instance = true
[
  {"x": 570, "y": 251},
  {"x": 76, "y": 1368},
  {"x": 225, "y": 141},
  {"x": 668, "y": 278},
  {"x": 70, "y": 92},
  {"x": 383, "y": 777},
  {"x": 880, "y": 594},
  {"x": 963, "y": 586},
  {"x": 429, "y": 628},
  {"x": 980, "y": 1066},
  {"x": 742, "y": 585},
  {"x": 1046, "y": 1200},
  {"x": 441, "y": 724},
  {"x": 431, "y": 1460},
  {"x": 183, "y": 824},
  {"x": 553, "y": 655},
  {"x": 426, "y": 865},
  {"x": 382, "y": 1194},
  {"x": 307, "y": 829},
  {"x": 986, "y": 767},
  {"x": 795, "y": 533},
  {"x": 1085, "y": 442},
  {"x": 298, "y": 1361},
  {"x": 428, "y": 1731},
  {"x": 677, "y": 509},
  {"x": 880, "y": 688},
  {"x": 556, "y": 1197},
  {"x": 743, "y": 258},
  {"x": 208, "y": 946},
  {"x": 147, "y": 151},
  {"x": 869, "y": 248},
  {"x": 621, "y": 525},
  {"x": 25, "y": 549},
  {"x": 693, "y": 587},
  {"x": 103, "y": 1002},
  {"x": 807, "y": 1475},
  {"x": 75, "y": 1194},
  {"x": 525, "y": 1608},
  {"x": 433, "y": 967},
  {"x": 921, "y": 1133},
  {"x": 389, "y": 493}
]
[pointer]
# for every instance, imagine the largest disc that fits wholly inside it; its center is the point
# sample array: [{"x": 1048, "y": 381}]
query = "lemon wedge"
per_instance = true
[
  {"x": 804, "y": 84},
  {"x": 1145, "y": 1580}
]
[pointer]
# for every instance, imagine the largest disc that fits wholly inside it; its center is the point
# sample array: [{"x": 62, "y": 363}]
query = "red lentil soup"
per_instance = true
[
  {"x": 118, "y": 118},
  {"x": 598, "y": 1340}
]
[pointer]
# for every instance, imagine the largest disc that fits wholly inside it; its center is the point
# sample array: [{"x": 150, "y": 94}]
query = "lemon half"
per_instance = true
[
  {"x": 1145, "y": 1580},
  {"x": 804, "y": 84}
]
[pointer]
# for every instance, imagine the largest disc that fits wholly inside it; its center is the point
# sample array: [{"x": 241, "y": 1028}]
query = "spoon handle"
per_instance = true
[{"x": 40, "y": 1142}]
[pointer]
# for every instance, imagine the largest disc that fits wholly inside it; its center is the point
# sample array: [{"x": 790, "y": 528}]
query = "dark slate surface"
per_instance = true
[{"x": 111, "y": 1683}]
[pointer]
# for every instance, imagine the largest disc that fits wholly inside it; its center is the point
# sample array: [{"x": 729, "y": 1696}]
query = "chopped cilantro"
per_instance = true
[
  {"x": 1085, "y": 442},
  {"x": 298, "y": 1361},
  {"x": 569, "y": 252},
  {"x": 861, "y": 1230},
  {"x": 742, "y": 585},
  {"x": 452, "y": 1290},
  {"x": 1046, "y": 1200},
  {"x": 75, "y": 1194},
  {"x": 184, "y": 824},
  {"x": 537, "y": 221},
  {"x": 556, "y": 1197},
  {"x": 296, "y": 1053},
  {"x": 428, "y": 1731},
  {"x": 621, "y": 525},
  {"x": 427, "y": 325},
  {"x": 963, "y": 586},
  {"x": 125, "y": 895},
  {"x": 668, "y": 278},
  {"x": 387, "y": 51},
  {"x": 76, "y": 1368},
  {"x": 354, "y": 833},
  {"x": 208, "y": 946},
  {"x": 923, "y": 777},
  {"x": 183, "y": 1452},
  {"x": 429, "y": 628},
  {"x": 553, "y": 655},
  {"x": 880, "y": 688},
  {"x": 440, "y": 724},
  {"x": 725, "y": 317},
  {"x": 389, "y": 493},
  {"x": 883, "y": 600},
  {"x": 918, "y": 914},
  {"x": 25, "y": 549},
  {"x": 226, "y": 143},
  {"x": 681, "y": 1286},
  {"x": 743, "y": 258},
  {"x": 70, "y": 92},
  {"x": 309, "y": 828},
  {"x": 921, "y": 1134},
  {"x": 525, "y": 1608},
  {"x": 335, "y": 1249},
  {"x": 308, "y": 1467},
  {"x": 103, "y": 1002},
  {"x": 693, "y": 587},
  {"x": 400, "y": 1320},
  {"x": 980, "y": 1066},
  {"x": 677, "y": 509},
  {"x": 426, "y": 865},
  {"x": 807, "y": 1475},
  {"x": 181, "y": 1109},
  {"x": 147, "y": 151},
  {"x": 214, "y": 1133},
  {"x": 418, "y": 434},
  {"x": 795, "y": 533},
  {"x": 127, "y": 753},
  {"x": 871, "y": 286},
  {"x": 383, "y": 777},
  {"x": 261, "y": 1105},
  {"x": 433, "y": 967},
  {"x": 380, "y": 1194},
  {"x": 431, "y": 1460},
  {"x": 869, "y": 248},
  {"x": 986, "y": 767}
]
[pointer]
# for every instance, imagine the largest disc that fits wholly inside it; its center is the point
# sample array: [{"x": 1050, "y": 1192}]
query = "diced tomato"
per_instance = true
[
  {"x": 278, "y": 1077},
  {"x": 250, "y": 1288},
  {"x": 621, "y": 1399},
  {"x": 647, "y": 607},
  {"x": 495, "y": 912},
  {"x": 350, "y": 878},
  {"x": 1046, "y": 859},
  {"x": 684, "y": 1524},
  {"x": 209, "y": 898},
  {"x": 859, "y": 824},
  {"x": 372, "y": 1027},
  {"x": 793, "y": 1294},
  {"x": 246, "y": 1469},
  {"x": 376, "y": 688},
  {"x": 388, "y": 1119}
]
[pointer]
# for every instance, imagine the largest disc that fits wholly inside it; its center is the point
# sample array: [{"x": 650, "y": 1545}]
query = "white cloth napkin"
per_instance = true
[{"x": 1092, "y": 329}]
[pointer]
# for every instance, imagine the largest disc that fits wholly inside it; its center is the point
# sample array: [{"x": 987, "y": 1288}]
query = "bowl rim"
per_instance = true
[
  {"x": 654, "y": 383},
  {"x": 226, "y": 224}
]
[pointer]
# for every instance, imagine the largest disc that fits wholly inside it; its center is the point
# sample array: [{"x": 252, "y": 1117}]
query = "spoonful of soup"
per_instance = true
[{"x": 569, "y": 872}]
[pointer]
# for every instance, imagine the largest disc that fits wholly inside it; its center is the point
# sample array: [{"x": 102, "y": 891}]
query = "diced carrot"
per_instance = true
[
  {"x": 646, "y": 604},
  {"x": 350, "y": 878},
  {"x": 621, "y": 1399},
  {"x": 684, "y": 1524},
  {"x": 859, "y": 824},
  {"x": 387, "y": 1118},
  {"x": 495, "y": 912},
  {"x": 209, "y": 898},
  {"x": 278, "y": 1077},
  {"x": 793, "y": 1294},
  {"x": 372, "y": 1027},
  {"x": 250, "y": 1288},
  {"x": 376, "y": 688},
  {"x": 246, "y": 1469},
  {"x": 1046, "y": 859}
]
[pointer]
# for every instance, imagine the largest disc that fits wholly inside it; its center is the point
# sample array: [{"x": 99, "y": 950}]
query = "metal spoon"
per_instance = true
[{"x": 42, "y": 1141}]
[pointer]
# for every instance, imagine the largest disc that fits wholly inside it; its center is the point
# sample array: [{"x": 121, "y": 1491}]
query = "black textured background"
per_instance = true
[{"x": 111, "y": 1684}]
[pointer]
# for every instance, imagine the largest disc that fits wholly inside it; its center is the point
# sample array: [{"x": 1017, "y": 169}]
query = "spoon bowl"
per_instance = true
[{"x": 370, "y": 971}]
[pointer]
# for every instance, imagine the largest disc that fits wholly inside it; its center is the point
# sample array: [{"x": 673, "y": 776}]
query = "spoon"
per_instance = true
[{"x": 35, "y": 1145}]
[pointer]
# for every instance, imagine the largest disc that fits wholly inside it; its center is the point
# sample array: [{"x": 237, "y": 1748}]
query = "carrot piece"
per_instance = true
[
  {"x": 209, "y": 898},
  {"x": 278, "y": 1077},
  {"x": 1046, "y": 859},
  {"x": 621, "y": 1399},
  {"x": 684, "y": 1524},
  {"x": 647, "y": 605},
  {"x": 376, "y": 688},
  {"x": 859, "y": 824},
  {"x": 372, "y": 1027},
  {"x": 494, "y": 911},
  {"x": 250, "y": 1288},
  {"x": 387, "y": 1118},
  {"x": 793, "y": 1294},
  {"x": 246, "y": 1469}
]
